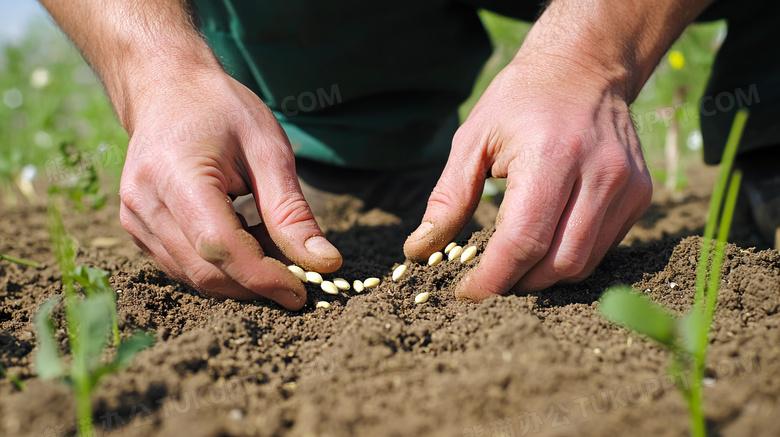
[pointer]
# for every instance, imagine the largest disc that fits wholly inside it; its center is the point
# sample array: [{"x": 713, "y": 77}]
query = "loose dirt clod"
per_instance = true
[
  {"x": 329, "y": 287},
  {"x": 435, "y": 258},
  {"x": 341, "y": 283},
  {"x": 314, "y": 277},
  {"x": 468, "y": 254},
  {"x": 298, "y": 272},
  {"x": 399, "y": 273},
  {"x": 371, "y": 283},
  {"x": 422, "y": 298}
]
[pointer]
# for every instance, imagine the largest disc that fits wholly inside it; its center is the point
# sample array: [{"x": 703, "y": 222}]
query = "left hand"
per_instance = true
[{"x": 563, "y": 137}]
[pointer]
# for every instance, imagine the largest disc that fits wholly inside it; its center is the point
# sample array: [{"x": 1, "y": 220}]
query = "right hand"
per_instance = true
[{"x": 194, "y": 143}]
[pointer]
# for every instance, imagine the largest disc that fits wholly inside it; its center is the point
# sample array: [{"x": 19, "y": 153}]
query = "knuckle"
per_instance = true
[
  {"x": 570, "y": 265},
  {"x": 205, "y": 278},
  {"x": 291, "y": 211},
  {"x": 529, "y": 246},
  {"x": 131, "y": 197}
]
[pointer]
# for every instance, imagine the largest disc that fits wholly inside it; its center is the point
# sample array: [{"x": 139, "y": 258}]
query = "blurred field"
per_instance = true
[{"x": 51, "y": 101}]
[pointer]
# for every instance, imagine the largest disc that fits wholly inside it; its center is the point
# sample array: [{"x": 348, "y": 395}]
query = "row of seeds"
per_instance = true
[{"x": 453, "y": 251}]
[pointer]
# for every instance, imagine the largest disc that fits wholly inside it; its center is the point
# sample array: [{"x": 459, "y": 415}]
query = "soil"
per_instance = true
[{"x": 376, "y": 363}]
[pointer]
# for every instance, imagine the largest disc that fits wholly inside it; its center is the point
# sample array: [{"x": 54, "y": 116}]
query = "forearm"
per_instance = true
[
  {"x": 134, "y": 46},
  {"x": 619, "y": 40}
]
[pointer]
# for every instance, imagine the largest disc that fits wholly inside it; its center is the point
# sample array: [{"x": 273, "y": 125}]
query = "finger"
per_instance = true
[
  {"x": 532, "y": 206},
  {"x": 180, "y": 262},
  {"x": 574, "y": 243},
  {"x": 202, "y": 212},
  {"x": 451, "y": 204},
  {"x": 283, "y": 209}
]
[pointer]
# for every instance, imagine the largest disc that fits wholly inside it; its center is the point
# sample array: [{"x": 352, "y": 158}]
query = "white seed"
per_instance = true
[
  {"x": 455, "y": 252},
  {"x": 358, "y": 285},
  {"x": 399, "y": 273},
  {"x": 298, "y": 272},
  {"x": 421, "y": 298},
  {"x": 329, "y": 287},
  {"x": 314, "y": 277},
  {"x": 371, "y": 282},
  {"x": 435, "y": 258},
  {"x": 341, "y": 283},
  {"x": 323, "y": 304},
  {"x": 468, "y": 254},
  {"x": 450, "y": 247}
]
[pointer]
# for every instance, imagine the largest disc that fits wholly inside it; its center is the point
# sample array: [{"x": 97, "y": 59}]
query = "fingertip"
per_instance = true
[
  {"x": 470, "y": 288},
  {"x": 326, "y": 258}
]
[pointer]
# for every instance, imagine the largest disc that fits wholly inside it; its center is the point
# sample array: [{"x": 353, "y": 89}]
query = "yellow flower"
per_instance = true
[{"x": 676, "y": 60}]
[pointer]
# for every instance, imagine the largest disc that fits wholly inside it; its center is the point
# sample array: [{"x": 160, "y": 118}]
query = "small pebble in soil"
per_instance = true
[
  {"x": 323, "y": 304},
  {"x": 358, "y": 285},
  {"x": 298, "y": 272},
  {"x": 450, "y": 247},
  {"x": 329, "y": 287},
  {"x": 672, "y": 285},
  {"x": 455, "y": 252},
  {"x": 435, "y": 258},
  {"x": 341, "y": 283},
  {"x": 236, "y": 414},
  {"x": 314, "y": 277},
  {"x": 371, "y": 283},
  {"x": 468, "y": 254},
  {"x": 421, "y": 298},
  {"x": 399, "y": 273}
]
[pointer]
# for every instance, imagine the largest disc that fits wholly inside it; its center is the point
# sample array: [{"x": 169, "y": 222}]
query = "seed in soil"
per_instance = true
[
  {"x": 314, "y": 277},
  {"x": 455, "y": 252},
  {"x": 329, "y": 287},
  {"x": 435, "y": 258},
  {"x": 371, "y": 283},
  {"x": 298, "y": 272},
  {"x": 323, "y": 304},
  {"x": 422, "y": 298},
  {"x": 399, "y": 273},
  {"x": 341, "y": 283},
  {"x": 450, "y": 247},
  {"x": 358, "y": 285},
  {"x": 468, "y": 254}
]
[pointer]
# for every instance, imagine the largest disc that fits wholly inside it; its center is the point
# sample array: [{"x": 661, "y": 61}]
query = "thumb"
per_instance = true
[{"x": 451, "y": 205}]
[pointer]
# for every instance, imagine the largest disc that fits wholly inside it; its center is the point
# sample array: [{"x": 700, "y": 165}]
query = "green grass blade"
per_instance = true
[
  {"x": 48, "y": 363},
  {"x": 720, "y": 245},
  {"x": 636, "y": 312},
  {"x": 23, "y": 262},
  {"x": 715, "y": 203}
]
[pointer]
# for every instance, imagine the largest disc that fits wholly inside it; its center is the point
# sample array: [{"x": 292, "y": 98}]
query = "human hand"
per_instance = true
[
  {"x": 564, "y": 139},
  {"x": 194, "y": 144}
]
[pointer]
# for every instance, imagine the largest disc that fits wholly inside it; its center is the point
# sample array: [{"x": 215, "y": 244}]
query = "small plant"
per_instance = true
[
  {"x": 686, "y": 337},
  {"x": 90, "y": 319},
  {"x": 14, "y": 380}
]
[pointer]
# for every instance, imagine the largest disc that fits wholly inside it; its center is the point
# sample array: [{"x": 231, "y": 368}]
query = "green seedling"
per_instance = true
[
  {"x": 23, "y": 262},
  {"x": 84, "y": 189},
  {"x": 91, "y": 320},
  {"x": 14, "y": 380},
  {"x": 686, "y": 337}
]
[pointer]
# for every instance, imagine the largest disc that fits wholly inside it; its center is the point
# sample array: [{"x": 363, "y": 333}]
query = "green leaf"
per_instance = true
[
  {"x": 92, "y": 280},
  {"x": 93, "y": 315},
  {"x": 48, "y": 363},
  {"x": 130, "y": 347},
  {"x": 691, "y": 327},
  {"x": 636, "y": 312}
]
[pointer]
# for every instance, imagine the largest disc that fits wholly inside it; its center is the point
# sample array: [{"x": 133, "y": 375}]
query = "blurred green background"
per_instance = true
[{"x": 51, "y": 101}]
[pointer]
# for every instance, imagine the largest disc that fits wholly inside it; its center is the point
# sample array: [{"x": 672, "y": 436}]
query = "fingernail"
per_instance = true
[
  {"x": 321, "y": 247},
  {"x": 422, "y": 231},
  {"x": 289, "y": 299}
]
